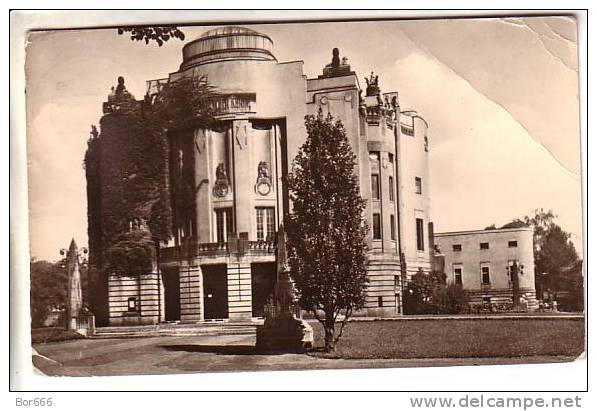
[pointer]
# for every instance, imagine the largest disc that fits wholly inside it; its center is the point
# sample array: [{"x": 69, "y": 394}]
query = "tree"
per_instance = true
[
  {"x": 159, "y": 34},
  {"x": 326, "y": 230},
  {"x": 556, "y": 253},
  {"x": 553, "y": 251},
  {"x": 49, "y": 285}
]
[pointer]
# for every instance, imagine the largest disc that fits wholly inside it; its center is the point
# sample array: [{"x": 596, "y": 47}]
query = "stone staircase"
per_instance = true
[{"x": 178, "y": 329}]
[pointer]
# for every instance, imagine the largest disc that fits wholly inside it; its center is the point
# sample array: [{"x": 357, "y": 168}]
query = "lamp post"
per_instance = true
[
  {"x": 513, "y": 271},
  {"x": 74, "y": 301}
]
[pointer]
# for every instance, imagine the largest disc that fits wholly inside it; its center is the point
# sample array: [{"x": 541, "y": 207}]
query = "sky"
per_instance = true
[{"x": 500, "y": 97}]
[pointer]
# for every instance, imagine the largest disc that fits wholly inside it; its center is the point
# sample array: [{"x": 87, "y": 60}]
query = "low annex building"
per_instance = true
[
  {"x": 482, "y": 262},
  {"x": 220, "y": 263}
]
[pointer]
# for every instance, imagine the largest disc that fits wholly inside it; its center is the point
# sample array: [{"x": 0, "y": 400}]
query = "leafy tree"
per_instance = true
[
  {"x": 556, "y": 253},
  {"x": 49, "y": 285},
  {"x": 159, "y": 34},
  {"x": 49, "y": 288},
  {"x": 553, "y": 251},
  {"x": 326, "y": 230}
]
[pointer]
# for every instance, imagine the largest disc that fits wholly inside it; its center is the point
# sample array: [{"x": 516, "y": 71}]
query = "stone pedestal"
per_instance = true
[{"x": 284, "y": 333}]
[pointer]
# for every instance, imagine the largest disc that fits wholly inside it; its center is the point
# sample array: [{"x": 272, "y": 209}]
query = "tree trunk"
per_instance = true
[{"x": 330, "y": 345}]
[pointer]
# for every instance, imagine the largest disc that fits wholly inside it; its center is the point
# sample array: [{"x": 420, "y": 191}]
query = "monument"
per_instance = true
[
  {"x": 282, "y": 331},
  {"x": 74, "y": 302}
]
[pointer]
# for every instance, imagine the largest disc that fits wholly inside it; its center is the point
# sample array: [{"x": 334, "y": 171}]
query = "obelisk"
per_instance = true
[{"x": 74, "y": 298}]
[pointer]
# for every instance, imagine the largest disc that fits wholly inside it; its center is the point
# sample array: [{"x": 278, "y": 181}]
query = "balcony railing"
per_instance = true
[
  {"x": 233, "y": 103},
  {"x": 191, "y": 248}
]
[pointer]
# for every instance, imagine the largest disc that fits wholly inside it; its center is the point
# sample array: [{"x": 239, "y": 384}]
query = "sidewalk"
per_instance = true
[{"x": 179, "y": 355}]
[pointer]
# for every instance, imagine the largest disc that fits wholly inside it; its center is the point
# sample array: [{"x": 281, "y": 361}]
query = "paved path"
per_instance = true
[{"x": 176, "y": 355}]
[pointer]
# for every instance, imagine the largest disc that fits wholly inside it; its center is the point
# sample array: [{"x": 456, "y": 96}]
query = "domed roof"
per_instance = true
[
  {"x": 227, "y": 43},
  {"x": 227, "y": 30}
]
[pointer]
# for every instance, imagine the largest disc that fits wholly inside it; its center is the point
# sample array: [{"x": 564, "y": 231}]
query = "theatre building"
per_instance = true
[{"x": 220, "y": 264}]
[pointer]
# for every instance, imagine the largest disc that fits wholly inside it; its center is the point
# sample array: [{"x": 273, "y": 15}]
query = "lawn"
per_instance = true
[{"x": 459, "y": 338}]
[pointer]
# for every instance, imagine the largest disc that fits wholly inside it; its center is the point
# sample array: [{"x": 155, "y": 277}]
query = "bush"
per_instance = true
[
  {"x": 53, "y": 334},
  {"x": 451, "y": 299},
  {"x": 429, "y": 294}
]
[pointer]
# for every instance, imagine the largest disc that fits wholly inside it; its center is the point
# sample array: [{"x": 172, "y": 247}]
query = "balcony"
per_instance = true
[
  {"x": 240, "y": 103},
  {"x": 191, "y": 248}
]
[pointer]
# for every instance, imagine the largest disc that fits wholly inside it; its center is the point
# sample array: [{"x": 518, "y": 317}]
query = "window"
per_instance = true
[
  {"x": 265, "y": 223},
  {"x": 392, "y": 227},
  {"x": 458, "y": 275},
  {"x": 132, "y": 304},
  {"x": 512, "y": 244},
  {"x": 420, "y": 234},
  {"x": 391, "y": 158},
  {"x": 456, "y": 247},
  {"x": 484, "y": 246},
  {"x": 376, "y": 226},
  {"x": 380, "y": 301},
  {"x": 391, "y": 184},
  {"x": 418, "y": 185},
  {"x": 485, "y": 274},
  {"x": 224, "y": 224},
  {"x": 375, "y": 186}
]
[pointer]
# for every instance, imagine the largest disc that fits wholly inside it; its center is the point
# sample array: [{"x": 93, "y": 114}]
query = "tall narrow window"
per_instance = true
[
  {"x": 458, "y": 275},
  {"x": 265, "y": 223},
  {"x": 418, "y": 185},
  {"x": 376, "y": 226},
  {"x": 392, "y": 227},
  {"x": 420, "y": 235},
  {"x": 391, "y": 187},
  {"x": 224, "y": 224},
  {"x": 375, "y": 186},
  {"x": 485, "y": 274}
]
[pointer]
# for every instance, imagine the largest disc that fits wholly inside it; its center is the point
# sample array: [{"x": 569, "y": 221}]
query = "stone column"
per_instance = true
[
  {"x": 240, "y": 303},
  {"x": 191, "y": 297},
  {"x": 243, "y": 182}
]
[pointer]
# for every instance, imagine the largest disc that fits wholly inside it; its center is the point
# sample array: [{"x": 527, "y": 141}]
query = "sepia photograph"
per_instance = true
[{"x": 228, "y": 196}]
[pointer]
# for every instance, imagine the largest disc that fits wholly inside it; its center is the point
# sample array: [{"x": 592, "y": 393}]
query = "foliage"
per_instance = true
[
  {"x": 159, "y": 34},
  {"x": 133, "y": 253},
  {"x": 450, "y": 299},
  {"x": 128, "y": 174},
  {"x": 53, "y": 334},
  {"x": 553, "y": 252},
  {"x": 326, "y": 231},
  {"x": 49, "y": 288},
  {"x": 517, "y": 223},
  {"x": 429, "y": 294}
]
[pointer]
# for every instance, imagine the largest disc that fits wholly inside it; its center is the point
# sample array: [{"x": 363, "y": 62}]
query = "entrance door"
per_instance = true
[
  {"x": 172, "y": 294},
  {"x": 263, "y": 281},
  {"x": 215, "y": 292}
]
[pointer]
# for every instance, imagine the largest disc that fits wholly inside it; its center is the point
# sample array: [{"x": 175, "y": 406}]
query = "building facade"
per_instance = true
[
  {"x": 481, "y": 261},
  {"x": 220, "y": 264}
]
